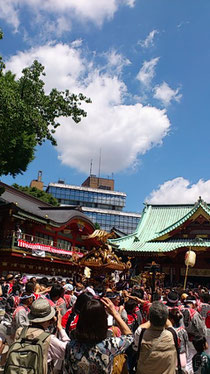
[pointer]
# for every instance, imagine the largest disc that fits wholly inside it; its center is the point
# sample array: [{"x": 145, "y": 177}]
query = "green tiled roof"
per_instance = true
[
  {"x": 183, "y": 219},
  {"x": 161, "y": 247},
  {"x": 156, "y": 221}
]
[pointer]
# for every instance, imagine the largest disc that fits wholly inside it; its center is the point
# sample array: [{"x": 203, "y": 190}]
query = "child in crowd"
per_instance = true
[{"x": 201, "y": 361}]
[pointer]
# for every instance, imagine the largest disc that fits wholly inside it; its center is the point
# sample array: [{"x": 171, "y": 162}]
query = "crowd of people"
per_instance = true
[{"x": 52, "y": 325}]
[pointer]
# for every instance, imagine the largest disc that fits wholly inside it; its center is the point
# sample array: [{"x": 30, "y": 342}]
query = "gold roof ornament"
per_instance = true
[
  {"x": 101, "y": 235},
  {"x": 103, "y": 257}
]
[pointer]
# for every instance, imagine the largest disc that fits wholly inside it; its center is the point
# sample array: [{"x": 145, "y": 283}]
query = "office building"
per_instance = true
[{"x": 99, "y": 202}]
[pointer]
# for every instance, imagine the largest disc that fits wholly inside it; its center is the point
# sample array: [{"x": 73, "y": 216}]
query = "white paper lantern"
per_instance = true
[{"x": 190, "y": 258}]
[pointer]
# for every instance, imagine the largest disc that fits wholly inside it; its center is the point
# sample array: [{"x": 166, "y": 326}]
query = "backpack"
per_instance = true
[
  {"x": 25, "y": 356},
  {"x": 120, "y": 364}
]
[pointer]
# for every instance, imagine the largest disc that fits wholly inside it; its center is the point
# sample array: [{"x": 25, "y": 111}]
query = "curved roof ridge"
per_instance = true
[
  {"x": 123, "y": 237},
  {"x": 205, "y": 207},
  {"x": 197, "y": 205},
  {"x": 144, "y": 217},
  {"x": 136, "y": 233}
]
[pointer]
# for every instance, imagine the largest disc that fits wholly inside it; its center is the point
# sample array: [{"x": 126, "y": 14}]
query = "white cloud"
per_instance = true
[
  {"x": 66, "y": 10},
  {"x": 180, "y": 190},
  {"x": 77, "y": 43},
  {"x": 181, "y": 24},
  {"x": 9, "y": 13},
  {"x": 115, "y": 62},
  {"x": 130, "y": 3},
  {"x": 57, "y": 27},
  {"x": 166, "y": 94},
  {"x": 123, "y": 132},
  {"x": 147, "y": 72},
  {"x": 149, "y": 41}
]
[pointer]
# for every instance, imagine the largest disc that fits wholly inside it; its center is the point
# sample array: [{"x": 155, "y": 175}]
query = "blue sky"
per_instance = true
[{"x": 146, "y": 66}]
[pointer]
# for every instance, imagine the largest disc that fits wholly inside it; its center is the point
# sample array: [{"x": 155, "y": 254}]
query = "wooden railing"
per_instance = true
[{"x": 14, "y": 239}]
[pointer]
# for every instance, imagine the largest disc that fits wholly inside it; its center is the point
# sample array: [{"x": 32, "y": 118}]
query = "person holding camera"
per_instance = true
[{"x": 42, "y": 318}]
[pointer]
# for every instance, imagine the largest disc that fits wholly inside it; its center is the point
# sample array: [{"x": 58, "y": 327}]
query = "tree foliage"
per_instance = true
[
  {"x": 42, "y": 195},
  {"x": 97, "y": 226},
  {"x": 28, "y": 116}
]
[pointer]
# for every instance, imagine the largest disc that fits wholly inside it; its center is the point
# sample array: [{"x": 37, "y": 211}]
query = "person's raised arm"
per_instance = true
[
  {"x": 135, "y": 298},
  {"x": 109, "y": 306}
]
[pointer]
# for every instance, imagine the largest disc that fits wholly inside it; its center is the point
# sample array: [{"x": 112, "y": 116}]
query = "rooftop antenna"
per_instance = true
[
  {"x": 91, "y": 166},
  {"x": 99, "y": 166}
]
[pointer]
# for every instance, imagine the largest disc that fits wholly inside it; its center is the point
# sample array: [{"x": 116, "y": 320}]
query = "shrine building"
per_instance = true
[
  {"x": 164, "y": 234},
  {"x": 38, "y": 238}
]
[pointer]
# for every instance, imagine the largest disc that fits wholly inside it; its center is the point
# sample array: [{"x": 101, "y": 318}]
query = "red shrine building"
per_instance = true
[{"x": 38, "y": 238}]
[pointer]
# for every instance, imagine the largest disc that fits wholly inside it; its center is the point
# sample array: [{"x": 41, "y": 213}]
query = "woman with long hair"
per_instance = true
[
  {"x": 70, "y": 319},
  {"x": 90, "y": 351}
]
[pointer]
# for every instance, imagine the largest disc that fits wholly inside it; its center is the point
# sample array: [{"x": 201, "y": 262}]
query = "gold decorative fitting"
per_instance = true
[{"x": 104, "y": 256}]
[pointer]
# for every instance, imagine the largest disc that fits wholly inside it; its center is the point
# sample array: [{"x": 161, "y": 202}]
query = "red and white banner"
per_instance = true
[{"x": 47, "y": 248}]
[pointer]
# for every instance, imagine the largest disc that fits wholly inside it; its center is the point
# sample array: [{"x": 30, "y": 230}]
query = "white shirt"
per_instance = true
[{"x": 57, "y": 346}]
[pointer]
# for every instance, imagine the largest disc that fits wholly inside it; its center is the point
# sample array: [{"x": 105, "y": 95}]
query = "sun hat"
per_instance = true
[
  {"x": 68, "y": 287},
  {"x": 41, "y": 311}
]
